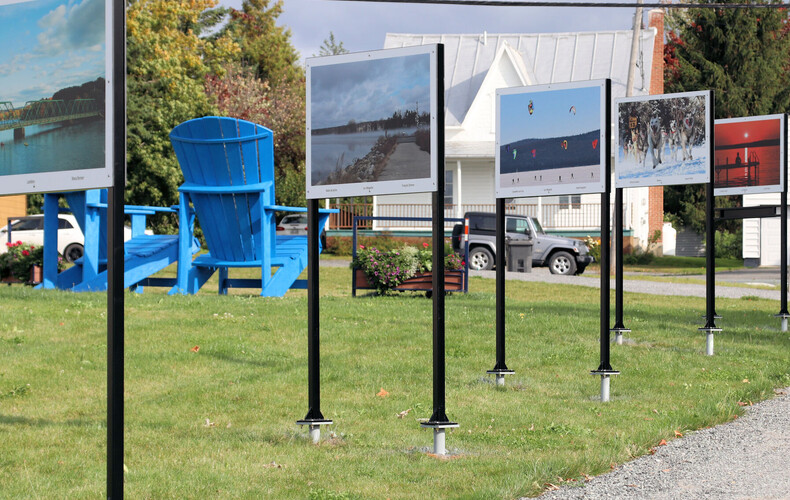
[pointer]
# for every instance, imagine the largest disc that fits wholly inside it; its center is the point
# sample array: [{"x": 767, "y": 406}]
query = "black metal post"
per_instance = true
[
  {"x": 500, "y": 368},
  {"x": 314, "y": 416},
  {"x": 619, "y": 328},
  {"x": 710, "y": 243},
  {"x": 439, "y": 415},
  {"x": 115, "y": 250},
  {"x": 710, "y": 234},
  {"x": 605, "y": 367},
  {"x": 783, "y": 253},
  {"x": 783, "y": 313},
  {"x": 710, "y": 259}
]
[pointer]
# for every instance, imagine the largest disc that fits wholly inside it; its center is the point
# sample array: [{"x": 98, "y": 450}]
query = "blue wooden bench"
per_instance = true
[
  {"x": 228, "y": 167},
  {"x": 144, "y": 254}
]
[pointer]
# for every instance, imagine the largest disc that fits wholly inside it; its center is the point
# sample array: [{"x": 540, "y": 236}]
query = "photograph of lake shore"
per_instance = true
[
  {"x": 53, "y": 107},
  {"x": 550, "y": 139},
  {"x": 749, "y": 154},
  {"x": 370, "y": 123}
]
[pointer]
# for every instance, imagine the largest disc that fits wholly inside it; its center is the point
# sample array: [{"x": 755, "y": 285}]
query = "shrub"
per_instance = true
[
  {"x": 729, "y": 245},
  {"x": 593, "y": 247},
  {"x": 386, "y": 270},
  {"x": 19, "y": 259}
]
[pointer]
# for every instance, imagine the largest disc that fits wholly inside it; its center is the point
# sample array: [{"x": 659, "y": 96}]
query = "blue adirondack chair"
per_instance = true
[
  {"x": 144, "y": 254},
  {"x": 228, "y": 166}
]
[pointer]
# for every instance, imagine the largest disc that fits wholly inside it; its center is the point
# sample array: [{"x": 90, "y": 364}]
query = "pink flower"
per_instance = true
[
  {"x": 361, "y": 247},
  {"x": 424, "y": 245},
  {"x": 25, "y": 253}
]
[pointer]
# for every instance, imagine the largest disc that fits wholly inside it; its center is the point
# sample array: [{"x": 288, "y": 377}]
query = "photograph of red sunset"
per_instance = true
[{"x": 748, "y": 154}]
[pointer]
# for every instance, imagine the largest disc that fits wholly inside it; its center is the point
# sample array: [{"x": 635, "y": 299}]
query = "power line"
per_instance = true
[{"x": 621, "y": 5}]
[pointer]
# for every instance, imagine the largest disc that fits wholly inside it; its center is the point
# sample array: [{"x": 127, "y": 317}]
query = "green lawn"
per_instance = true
[{"x": 220, "y": 422}]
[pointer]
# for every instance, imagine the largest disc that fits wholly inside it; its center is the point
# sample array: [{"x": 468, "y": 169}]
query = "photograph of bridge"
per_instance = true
[{"x": 52, "y": 87}]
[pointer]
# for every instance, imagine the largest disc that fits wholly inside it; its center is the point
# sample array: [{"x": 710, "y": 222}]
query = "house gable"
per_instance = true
[{"x": 507, "y": 70}]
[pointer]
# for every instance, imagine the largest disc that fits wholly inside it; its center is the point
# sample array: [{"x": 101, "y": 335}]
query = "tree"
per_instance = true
[
  {"x": 166, "y": 66},
  {"x": 265, "y": 46},
  {"x": 331, "y": 47},
  {"x": 281, "y": 108},
  {"x": 743, "y": 55}
]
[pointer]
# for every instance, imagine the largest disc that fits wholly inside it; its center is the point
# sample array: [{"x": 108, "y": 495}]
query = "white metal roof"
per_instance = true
[{"x": 547, "y": 58}]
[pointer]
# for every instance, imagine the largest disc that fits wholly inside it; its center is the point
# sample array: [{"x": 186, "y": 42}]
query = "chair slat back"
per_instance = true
[{"x": 220, "y": 152}]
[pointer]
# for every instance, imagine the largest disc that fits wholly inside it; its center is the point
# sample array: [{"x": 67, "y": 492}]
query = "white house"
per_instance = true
[
  {"x": 762, "y": 237},
  {"x": 476, "y": 65}
]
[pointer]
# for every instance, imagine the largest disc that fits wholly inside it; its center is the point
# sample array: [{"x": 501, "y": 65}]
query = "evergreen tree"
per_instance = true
[
  {"x": 741, "y": 54},
  {"x": 331, "y": 47},
  {"x": 265, "y": 46}
]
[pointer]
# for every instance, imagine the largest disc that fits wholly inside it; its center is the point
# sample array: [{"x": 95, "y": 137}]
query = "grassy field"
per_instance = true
[{"x": 220, "y": 422}]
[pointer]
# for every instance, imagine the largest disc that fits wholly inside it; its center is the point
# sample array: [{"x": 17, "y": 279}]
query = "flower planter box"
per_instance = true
[
  {"x": 453, "y": 282},
  {"x": 36, "y": 277}
]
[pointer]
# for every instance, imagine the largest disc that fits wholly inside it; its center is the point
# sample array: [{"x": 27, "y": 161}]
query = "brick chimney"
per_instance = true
[{"x": 656, "y": 193}]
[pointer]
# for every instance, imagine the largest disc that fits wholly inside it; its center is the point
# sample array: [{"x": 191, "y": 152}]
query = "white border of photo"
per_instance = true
[{"x": 402, "y": 186}]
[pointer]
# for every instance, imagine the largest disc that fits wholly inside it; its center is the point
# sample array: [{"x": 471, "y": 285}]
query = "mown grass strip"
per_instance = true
[{"x": 219, "y": 421}]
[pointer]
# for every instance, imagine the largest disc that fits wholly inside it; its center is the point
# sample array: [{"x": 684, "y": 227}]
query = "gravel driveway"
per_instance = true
[
  {"x": 745, "y": 458},
  {"x": 638, "y": 286}
]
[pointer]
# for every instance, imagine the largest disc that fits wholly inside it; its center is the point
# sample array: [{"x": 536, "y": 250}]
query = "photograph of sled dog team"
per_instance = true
[{"x": 662, "y": 138}]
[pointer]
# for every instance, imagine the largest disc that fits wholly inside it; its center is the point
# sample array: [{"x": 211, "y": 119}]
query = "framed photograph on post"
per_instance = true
[
  {"x": 749, "y": 155},
  {"x": 550, "y": 139},
  {"x": 662, "y": 140},
  {"x": 55, "y": 95},
  {"x": 371, "y": 122}
]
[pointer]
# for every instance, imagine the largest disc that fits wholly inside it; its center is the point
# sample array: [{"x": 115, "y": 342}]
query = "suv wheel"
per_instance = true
[
  {"x": 562, "y": 263},
  {"x": 480, "y": 259},
  {"x": 72, "y": 252}
]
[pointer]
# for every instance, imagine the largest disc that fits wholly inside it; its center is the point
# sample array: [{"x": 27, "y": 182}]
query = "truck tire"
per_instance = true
[
  {"x": 480, "y": 259},
  {"x": 562, "y": 263}
]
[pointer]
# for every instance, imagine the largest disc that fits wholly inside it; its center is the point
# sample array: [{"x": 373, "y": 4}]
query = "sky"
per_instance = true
[
  {"x": 747, "y": 131},
  {"x": 551, "y": 115},
  {"x": 48, "y": 45},
  {"x": 369, "y": 90},
  {"x": 362, "y": 26}
]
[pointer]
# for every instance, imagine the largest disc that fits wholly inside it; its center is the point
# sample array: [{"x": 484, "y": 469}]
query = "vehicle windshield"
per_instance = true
[
  {"x": 514, "y": 225},
  {"x": 538, "y": 227}
]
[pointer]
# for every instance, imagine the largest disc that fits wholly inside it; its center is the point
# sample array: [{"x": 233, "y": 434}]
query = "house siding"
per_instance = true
[{"x": 12, "y": 206}]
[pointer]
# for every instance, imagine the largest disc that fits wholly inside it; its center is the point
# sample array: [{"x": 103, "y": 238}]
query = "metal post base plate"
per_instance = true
[
  {"x": 315, "y": 428},
  {"x": 438, "y": 435},
  {"x": 500, "y": 375}
]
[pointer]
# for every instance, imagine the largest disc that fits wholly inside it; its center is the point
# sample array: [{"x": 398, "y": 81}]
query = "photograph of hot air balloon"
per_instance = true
[
  {"x": 663, "y": 140},
  {"x": 551, "y": 139},
  {"x": 749, "y": 155},
  {"x": 371, "y": 122}
]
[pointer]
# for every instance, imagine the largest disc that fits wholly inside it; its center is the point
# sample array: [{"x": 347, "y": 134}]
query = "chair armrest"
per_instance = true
[{"x": 281, "y": 208}]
